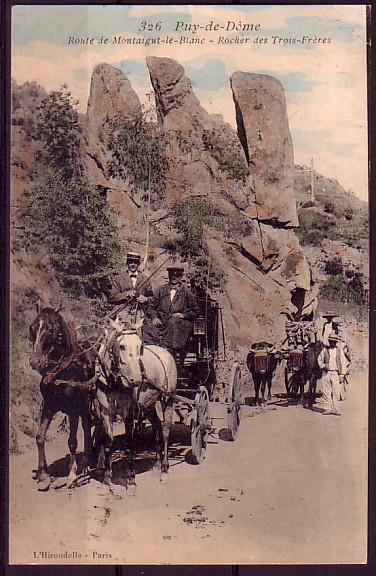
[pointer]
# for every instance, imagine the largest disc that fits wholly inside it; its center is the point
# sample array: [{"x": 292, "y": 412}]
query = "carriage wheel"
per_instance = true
[
  {"x": 233, "y": 402},
  {"x": 200, "y": 425}
]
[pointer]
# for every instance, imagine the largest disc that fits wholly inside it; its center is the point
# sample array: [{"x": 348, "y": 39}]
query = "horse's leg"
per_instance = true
[
  {"x": 263, "y": 386},
  {"x": 269, "y": 379},
  {"x": 128, "y": 417},
  {"x": 43, "y": 478},
  {"x": 312, "y": 390},
  {"x": 72, "y": 443},
  {"x": 108, "y": 438},
  {"x": 85, "y": 421},
  {"x": 257, "y": 382},
  {"x": 106, "y": 430},
  {"x": 156, "y": 426},
  {"x": 166, "y": 427}
]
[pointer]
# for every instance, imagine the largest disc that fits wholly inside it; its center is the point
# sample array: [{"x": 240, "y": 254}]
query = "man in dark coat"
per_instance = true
[
  {"x": 132, "y": 289},
  {"x": 173, "y": 310}
]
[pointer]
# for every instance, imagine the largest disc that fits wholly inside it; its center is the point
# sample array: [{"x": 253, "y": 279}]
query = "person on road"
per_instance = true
[
  {"x": 330, "y": 361},
  {"x": 131, "y": 289},
  {"x": 173, "y": 310},
  {"x": 328, "y": 327}
]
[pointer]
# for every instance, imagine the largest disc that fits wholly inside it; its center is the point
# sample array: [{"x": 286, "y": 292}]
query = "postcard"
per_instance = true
[{"x": 189, "y": 285}]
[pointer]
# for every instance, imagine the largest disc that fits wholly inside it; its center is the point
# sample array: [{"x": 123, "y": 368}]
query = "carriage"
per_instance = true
[
  {"x": 198, "y": 379},
  {"x": 70, "y": 377}
]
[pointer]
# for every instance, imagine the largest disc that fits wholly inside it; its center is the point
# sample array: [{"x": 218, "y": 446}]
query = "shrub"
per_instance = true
[
  {"x": 337, "y": 289},
  {"x": 334, "y": 266},
  {"x": 329, "y": 207},
  {"x": 313, "y": 227},
  {"x": 64, "y": 215},
  {"x": 138, "y": 149},
  {"x": 191, "y": 216},
  {"x": 227, "y": 156}
]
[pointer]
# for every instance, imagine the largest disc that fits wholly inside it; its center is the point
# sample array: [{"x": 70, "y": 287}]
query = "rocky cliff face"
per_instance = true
[
  {"x": 263, "y": 130},
  {"x": 111, "y": 96},
  {"x": 245, "y": 175}
]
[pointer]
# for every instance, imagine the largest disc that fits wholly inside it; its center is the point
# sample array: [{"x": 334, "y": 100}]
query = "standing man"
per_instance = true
[
  {"x": 173, "y": 310},
  {"x": 132, "y": 289},
  {"x": 330, "y": 362},
  {"x": 327, "y": 327}
]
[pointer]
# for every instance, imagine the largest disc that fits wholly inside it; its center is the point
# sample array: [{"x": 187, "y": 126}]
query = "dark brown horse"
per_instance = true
[
  {"x": 302, "y": 367},
  {"x": 67, "y": 368},
  {"x": 262, "y": 362}
]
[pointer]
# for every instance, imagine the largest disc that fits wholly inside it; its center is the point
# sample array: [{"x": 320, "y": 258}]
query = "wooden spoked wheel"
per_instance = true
[
  {"x": 200, "y": 425},
  {"x": 234, "y": 402}
]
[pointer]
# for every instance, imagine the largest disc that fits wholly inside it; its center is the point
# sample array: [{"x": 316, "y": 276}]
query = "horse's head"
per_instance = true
[
  {"x": 129, "y": 349},
  {"x": 49, "y": 337}
]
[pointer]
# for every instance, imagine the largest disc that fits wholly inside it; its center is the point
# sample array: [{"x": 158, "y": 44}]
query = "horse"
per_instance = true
[
  {"x": 303, "y": 366},
  {"x": 67, "y": 368},
  {"x": 135, "y": 380},
  {"x": 262, "y": 362},
  {"x": 312, "y": 370}
]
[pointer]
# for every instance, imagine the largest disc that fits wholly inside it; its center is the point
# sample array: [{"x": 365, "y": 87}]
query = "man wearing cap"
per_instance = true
[
  {"x": 330, "y": 361},
  {"x": 328, "y": 327},
  {"x": 173, "y": 310},
  {"x": 131, "y": 289}
]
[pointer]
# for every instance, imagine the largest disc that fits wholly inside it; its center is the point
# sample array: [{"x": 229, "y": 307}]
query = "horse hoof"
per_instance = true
[
  {"x": 164, "y": 478},
  {"x": 132, "y": 490},
  {"x": 71, "y": 482},
  {"x": 107, "y": 479},
  {"x": 59, "y": 483},
  {"x": 44, "y": 484}
]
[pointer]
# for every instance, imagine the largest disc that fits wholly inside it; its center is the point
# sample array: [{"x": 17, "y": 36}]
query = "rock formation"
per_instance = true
[
  {"x": 202, "y": 140},
  {"x": 246, "y": 176},
  {"x": 111, "y": 97},
  {"x": 263, "y": 130}
]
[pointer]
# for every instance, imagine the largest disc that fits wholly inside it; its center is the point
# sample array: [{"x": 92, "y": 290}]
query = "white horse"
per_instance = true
[{"x": 135, "y": 378}]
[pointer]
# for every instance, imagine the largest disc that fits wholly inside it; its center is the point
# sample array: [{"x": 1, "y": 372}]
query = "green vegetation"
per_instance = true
[
  {"x": 226, "y": 155},
  {"x": 334, "y": 266},
  {"x": 64, "y": 215},
  {"x": 139, "y": 151},
  {"x": 337, "y": 289},
  {"x": 313, "y": 227},
  {"x": 192, "y": 216}
]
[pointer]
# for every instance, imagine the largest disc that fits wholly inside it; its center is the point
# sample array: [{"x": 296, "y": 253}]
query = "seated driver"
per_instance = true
[
  {"x": 132, "y": 290},
  {"x": 173, "y": 310}
]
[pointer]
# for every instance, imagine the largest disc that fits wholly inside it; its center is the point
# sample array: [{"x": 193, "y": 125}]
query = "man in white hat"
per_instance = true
[
  {"x": 330, "y": 361},
  {"x": 131, "y": 288}
]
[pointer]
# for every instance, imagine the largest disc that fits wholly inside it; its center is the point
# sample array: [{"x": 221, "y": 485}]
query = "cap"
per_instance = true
[
  {"x": 179, "y": 269},
  {"x": 330, "y": 313},
  {"x": 134, "y": 256}
]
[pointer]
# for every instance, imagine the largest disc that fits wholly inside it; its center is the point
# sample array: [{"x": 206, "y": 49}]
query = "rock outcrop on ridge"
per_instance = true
[{"x": 253, "y": 185}]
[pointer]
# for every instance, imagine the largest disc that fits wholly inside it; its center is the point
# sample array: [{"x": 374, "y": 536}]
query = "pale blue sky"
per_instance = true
[{"x": 325, "y": 85}]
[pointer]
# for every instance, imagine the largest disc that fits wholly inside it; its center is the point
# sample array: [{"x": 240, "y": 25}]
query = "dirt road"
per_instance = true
[{"x": 291, "y": 489}]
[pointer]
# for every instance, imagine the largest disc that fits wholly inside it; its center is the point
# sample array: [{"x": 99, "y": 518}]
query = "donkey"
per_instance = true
[
  {"x": 67, "y": 368},
  {"x": 135, "y": 379},
  {"x": 262, "y": 362}
]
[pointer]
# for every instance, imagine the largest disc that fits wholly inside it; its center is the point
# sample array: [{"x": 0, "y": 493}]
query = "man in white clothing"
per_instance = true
[{"x": 330, "y": 362}]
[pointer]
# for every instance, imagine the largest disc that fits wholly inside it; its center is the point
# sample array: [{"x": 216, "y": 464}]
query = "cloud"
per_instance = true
[
  {"x": 292, "y": 82},
  {"x": 210, "y": 76},
  {"x": 132, "y": 67},
  {"x": 315, "y": 141}
]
